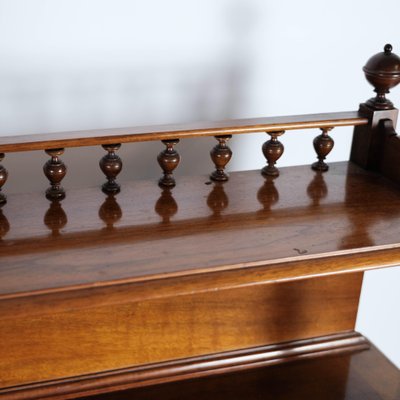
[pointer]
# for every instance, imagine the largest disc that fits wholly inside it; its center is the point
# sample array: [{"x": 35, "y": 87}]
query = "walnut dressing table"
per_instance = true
[{"x": 212, "y": 287}]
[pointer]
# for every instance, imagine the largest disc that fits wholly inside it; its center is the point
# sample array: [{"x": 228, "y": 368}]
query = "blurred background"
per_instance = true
[{"x": 84, "y": 64}]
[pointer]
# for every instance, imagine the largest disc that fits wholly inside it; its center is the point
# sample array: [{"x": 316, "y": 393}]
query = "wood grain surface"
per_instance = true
[
  {"x": 365, "y": 375},
  {"x": 177, "y": 131},
  {"x": 96, "y": 332},
  {"x": 303, "y": 223}
]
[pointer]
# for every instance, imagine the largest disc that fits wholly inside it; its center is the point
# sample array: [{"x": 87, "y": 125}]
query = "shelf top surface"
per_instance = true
[{"x": 198, "y": 227}]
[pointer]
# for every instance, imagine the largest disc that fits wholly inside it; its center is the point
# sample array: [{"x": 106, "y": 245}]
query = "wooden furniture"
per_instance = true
[{"x": 223, "y": 287}]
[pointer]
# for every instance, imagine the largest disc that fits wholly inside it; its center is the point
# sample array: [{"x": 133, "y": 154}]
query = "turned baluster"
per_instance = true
[
  {"x": 168, "y": 160},
  {"x": 3, "y": 179},
  {"x": 220, "y": 155},
  {"x": 272, "y": 150},
  {"x": 111, "y": 165},
  {"x": 323, "y": 144},
  {"x": 55, "y": 170}
]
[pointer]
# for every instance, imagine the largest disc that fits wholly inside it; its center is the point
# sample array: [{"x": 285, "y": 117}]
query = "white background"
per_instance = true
[{"x": 80, "y": 64}]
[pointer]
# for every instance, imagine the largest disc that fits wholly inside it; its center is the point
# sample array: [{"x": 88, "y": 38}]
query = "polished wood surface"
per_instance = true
[
  {"x": 365, "y": 375},
  {"x": 53, "y": 337},
  {"x": 248, "y": 223},
  {"x": 175, "y": 131},
  {"x": 195, "y": 367}
]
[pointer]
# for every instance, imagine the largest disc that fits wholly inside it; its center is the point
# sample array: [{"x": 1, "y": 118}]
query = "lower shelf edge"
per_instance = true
[{"x": 176, "y": 370}]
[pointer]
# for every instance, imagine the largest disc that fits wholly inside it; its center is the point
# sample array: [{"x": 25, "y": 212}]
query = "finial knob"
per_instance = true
[
  {"x": 383, "y": 72},
  {"x": 388, "y": 48}
]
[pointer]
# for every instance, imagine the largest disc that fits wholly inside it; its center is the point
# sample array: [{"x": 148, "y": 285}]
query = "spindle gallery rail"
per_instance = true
[
  {"x": 382, "y": 71},
  {"x": 111, "y": 140}
]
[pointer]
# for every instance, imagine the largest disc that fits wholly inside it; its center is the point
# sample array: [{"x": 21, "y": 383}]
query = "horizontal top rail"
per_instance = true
[{"x": 176, "y": 131}]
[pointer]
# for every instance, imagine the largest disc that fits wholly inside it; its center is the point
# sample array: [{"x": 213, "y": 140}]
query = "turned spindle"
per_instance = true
[
  {"x": 383, "y": 72},
  {"x": 220, "y": 155},
  {"x": 272, "y": 150},
  {"x": 55, "y": 170},
  {"x": 3, "y": 179},
  {"x": 323, "y": 144},
  {"x": 168, "y": 160},
  {"x": 111, "y": 165}
]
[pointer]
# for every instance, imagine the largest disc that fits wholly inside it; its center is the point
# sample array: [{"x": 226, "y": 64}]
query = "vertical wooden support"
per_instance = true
[
  {"x": 272, "y": 150},
  {"x": 111, "y": 165},
  {"x": 168, "y": 160},
  {"x": 323, "y": 145},
  {"x": 3, "y": 179},
  {"x": 221, "y": 155},
  {"x": 55, "y": 170}
]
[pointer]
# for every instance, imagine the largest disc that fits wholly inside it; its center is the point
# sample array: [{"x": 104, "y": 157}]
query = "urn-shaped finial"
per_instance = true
[{"x": 383, "y": 72}]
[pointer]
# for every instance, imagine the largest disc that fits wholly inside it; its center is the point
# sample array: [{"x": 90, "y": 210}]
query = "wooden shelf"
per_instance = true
[
  {"x": 355, "y": 375},
  {"x": 301, "y": 225}
]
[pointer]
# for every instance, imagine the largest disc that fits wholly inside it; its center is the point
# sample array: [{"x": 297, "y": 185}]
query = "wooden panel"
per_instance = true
[
  {"x": 365, "y": 375},
  {"x": 327, "y": 226},
  {"x": 88, "y": 335},
  {"x": 188, "y": 368},
  {"x": 162, "y": 132}
]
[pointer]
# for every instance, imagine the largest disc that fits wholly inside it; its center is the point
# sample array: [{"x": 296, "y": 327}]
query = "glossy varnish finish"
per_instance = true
[
  {"x": 365, "y": 375},
  {"x": 165, "y": 132},
  {"x": 246, "y": 223},
  {"x": 68, "y": 335}
]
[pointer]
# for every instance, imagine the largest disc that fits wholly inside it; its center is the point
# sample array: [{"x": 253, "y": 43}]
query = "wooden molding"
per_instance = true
[{"x": 189, "y": 368}]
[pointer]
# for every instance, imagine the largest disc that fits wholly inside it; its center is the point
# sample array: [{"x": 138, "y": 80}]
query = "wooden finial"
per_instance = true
[
  {"x": 272, "y": 150},
  {"x": 220, "y": 155},
  {"x": 383, "y": 72},
  {"x": 168, "y": 160},
  {"x": 323, "y": 144},
  {"x": 3, "y": 179},
  {"x": 55, "y": 218},
  {"x": 55, "y": 170},
  {"x": 111, "y": 165},
  {"x": 110, "y": 212}
]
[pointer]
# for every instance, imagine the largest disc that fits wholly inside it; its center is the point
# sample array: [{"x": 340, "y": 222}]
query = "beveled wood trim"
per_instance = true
[
  {"x": 189, "y": 368},
  {"x": 177, "y": 131}
]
